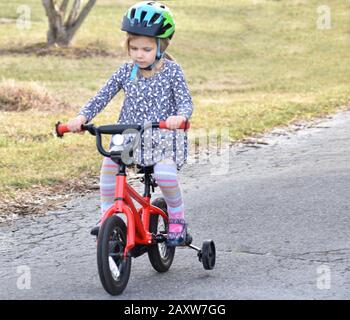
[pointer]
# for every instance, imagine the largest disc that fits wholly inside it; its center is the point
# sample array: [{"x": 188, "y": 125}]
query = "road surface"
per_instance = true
[{"x": 279, "y": 216}]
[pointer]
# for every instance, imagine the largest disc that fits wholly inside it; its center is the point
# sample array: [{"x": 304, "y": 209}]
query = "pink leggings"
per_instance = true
[{"x": 165, "y": 173}]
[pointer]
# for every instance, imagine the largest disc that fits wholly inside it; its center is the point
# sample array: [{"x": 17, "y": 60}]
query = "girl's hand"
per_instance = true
[
  {"x": 74, "y": 125},
  {"x": 174, "y": 122}
]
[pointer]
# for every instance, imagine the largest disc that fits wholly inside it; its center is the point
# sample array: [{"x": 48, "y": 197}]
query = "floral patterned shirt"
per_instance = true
[{"x": 149, "y": 99}]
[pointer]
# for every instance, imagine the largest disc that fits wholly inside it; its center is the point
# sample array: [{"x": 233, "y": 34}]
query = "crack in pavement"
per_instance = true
[{"x": 298, "y": 256}]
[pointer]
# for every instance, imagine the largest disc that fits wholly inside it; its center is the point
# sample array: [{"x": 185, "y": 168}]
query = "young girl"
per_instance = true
[{"x": 155, "y": 89}]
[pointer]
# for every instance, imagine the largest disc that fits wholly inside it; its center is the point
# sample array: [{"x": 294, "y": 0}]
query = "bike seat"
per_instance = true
[{"x": 145, "y": 169}]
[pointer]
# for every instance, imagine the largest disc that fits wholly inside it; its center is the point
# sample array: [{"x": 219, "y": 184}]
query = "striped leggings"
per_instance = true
[{"x": 165, "y": 174}]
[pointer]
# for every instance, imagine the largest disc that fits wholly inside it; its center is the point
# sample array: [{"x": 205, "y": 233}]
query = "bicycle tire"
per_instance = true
[
  {"x": 113, "y": 268},
  {"x": 160, "y": 255},
  {"x": 208, "y": 254}
]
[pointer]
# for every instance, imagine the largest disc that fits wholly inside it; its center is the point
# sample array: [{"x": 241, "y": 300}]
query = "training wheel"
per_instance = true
[{"x": 208, "y": 254}]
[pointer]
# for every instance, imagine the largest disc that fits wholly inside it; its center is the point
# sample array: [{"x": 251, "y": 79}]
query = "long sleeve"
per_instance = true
[
  {"x": 182, "y": 94},
  {"x": 96, "y": 104}
]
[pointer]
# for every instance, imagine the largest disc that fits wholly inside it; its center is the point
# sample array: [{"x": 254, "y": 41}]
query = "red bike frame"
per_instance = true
[{"x": 137, "y": 220}]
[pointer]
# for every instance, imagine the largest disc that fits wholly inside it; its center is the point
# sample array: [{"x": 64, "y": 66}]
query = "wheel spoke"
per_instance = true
[{"x": 114, "y": 268}]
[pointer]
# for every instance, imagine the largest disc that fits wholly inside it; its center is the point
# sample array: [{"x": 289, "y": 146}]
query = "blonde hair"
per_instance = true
[{"x": 164, "y": 43}]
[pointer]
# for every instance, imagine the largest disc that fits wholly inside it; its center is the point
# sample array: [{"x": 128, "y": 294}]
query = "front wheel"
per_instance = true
[
  {"x": 113, "y": 268},
  {"x": 160, "y": 255}
]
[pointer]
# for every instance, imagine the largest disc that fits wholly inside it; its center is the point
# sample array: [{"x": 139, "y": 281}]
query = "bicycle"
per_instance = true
[{"x": 146, "y": 227}]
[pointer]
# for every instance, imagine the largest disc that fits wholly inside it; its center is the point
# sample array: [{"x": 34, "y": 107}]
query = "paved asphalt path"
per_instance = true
[{"x": 279, "y": 216}]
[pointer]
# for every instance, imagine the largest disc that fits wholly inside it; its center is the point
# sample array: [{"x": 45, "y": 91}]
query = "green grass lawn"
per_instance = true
[{"x": 251, "y": 66}]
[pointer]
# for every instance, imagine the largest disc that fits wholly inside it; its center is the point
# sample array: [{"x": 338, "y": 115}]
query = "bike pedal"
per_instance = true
[
  {"x": 159, "y": 238},
  {"x": 95, "y": 230}
]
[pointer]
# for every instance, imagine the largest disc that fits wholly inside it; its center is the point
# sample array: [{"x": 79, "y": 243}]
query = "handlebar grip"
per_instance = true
[
  {"x": 61, "y": 129},
  {"x": 184, "y": 125}
]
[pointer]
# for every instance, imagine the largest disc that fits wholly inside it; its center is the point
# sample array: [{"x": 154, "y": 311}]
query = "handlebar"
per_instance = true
[{"x": 62, "y": 128}]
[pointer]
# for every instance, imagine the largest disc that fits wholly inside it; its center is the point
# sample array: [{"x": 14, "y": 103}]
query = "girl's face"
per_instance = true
[{"x": 142, "y": 50}]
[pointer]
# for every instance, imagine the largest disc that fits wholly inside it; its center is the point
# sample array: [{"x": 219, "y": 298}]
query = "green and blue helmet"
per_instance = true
[{"x": 149, "y": 18}]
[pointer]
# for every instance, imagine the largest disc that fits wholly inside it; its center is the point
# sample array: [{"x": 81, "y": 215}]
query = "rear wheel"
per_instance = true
[
  {"x": 160, "y": 255},
  {"x": 113, "y": 268}
]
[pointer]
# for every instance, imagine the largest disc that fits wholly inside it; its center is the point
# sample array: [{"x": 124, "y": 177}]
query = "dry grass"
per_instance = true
[
  {"x": 39, "y": 199},
  {"x": 95, "y": 49},
  {"x": 19, "y": 97}
]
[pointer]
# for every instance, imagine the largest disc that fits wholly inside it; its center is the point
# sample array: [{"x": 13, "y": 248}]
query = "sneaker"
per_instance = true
[{"x": 181, "y": 238}]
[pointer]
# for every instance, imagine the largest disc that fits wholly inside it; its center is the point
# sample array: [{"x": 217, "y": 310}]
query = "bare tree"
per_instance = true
[{"x": 61, "y": 30}]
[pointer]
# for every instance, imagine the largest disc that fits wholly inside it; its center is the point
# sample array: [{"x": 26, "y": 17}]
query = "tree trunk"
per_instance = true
[{"x": 61, "y": 32}]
